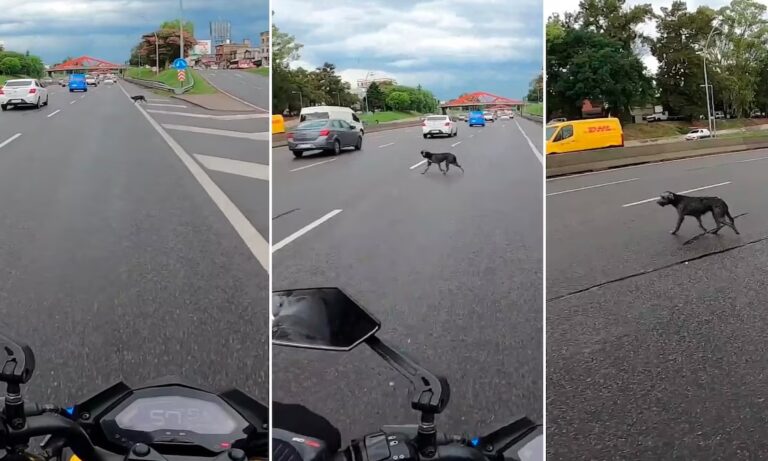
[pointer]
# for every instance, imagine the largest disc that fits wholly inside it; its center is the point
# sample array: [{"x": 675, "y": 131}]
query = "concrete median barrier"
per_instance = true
[
  {"x": 603, "y": 159},
  {"x": 279, "y": 139}
]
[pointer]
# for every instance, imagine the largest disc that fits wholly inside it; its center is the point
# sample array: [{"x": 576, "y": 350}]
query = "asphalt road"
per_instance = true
[
  {"x": 249, "y": 87},
  {"x": 451, "y": 265},
  {"x": 668, "y": 363},
  {"x": 115, "y": 262}
]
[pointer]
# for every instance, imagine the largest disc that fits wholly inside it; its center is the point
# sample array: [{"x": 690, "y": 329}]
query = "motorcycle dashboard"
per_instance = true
[{"x": 174, "y": 416}]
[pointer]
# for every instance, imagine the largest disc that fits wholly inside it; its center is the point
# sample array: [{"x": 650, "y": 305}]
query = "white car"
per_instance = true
[
  {"x": 23, "y": 92},
  {"x": 439, "y": 124},
  {"x": 698, "y": 133},
  {"x": 504, "y": 117},
  {"x": 91, "y": 80},
  {"x": 489, "y": 117}
]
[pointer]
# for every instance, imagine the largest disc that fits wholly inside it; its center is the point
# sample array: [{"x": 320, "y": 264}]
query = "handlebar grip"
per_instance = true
[{"x": 58, "y": 426}]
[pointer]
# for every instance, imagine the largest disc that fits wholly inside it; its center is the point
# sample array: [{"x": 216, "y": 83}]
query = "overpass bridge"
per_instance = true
[
  {"x": 481, "y": 100},
  {"x": 85, "y": 64}
]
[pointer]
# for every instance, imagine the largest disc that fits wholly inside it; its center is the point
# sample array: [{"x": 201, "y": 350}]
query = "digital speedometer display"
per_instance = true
[{"x": 175, "y": 413}]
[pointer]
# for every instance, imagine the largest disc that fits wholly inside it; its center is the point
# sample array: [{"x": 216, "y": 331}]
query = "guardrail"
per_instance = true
[
  {"x": 603, "y": 159},
  {"x": 533, "y": 118},
  {"x": 162, "y": 86}
]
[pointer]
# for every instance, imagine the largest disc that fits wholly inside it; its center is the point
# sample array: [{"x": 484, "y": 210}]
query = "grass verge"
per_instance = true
[
  {"x": 388, "y": 116},
  {"x": 169, "y": 77},
  {"x": 263, "y": 71},
  {"x": 534, "y": 109}
]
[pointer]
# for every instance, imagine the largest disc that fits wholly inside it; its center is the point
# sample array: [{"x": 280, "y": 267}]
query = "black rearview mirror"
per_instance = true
[{"x": 320, "y": 318}]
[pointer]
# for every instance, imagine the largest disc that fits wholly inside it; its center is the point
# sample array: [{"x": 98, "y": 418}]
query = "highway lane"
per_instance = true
[
  {"x": 115, "y": 262},
  {"x": 666, "y": 364},
  {"x": 249, "y": 87},
  {"x": 451, "y": 264}
]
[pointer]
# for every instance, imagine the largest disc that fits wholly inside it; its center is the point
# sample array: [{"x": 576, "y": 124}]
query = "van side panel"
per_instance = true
[{"x": 590, "y": 135}]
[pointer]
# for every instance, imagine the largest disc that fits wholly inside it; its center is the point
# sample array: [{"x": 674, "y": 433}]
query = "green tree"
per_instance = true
[
  {"x": 285, "y": 48},
  {"x": 399, "y": 100},
  {"x": 737, "y": 53},
  {"x": 376, "y": 97},
  {"x": 189, "y": 26},
  {"x": 10, "y": 65},
  {"x": 681, "y": 36},
  {"x": 614, "y": 20},
  {"x": 536, "y": 89},
  {"x": 582, "y": 64}
]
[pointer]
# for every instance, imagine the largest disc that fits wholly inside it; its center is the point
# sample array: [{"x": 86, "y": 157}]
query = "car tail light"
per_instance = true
[
  {"x": 1, "y": 91},
  {"x": 289, "y": 135},
  {"x": 325, "y": 132},
  {"x": 447, "y": 123},
  {"x": 424, "y": 123},
  {"x": 32, "y": 90}
]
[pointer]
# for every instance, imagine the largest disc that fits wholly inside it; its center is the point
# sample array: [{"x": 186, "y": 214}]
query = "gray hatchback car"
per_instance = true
[{"x": 330, "y": 135}]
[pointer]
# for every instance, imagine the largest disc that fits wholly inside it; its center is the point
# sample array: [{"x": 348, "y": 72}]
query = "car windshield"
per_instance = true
[
  {"x": 12, "y": 83},
  {"x": 312, "y": 125},
  {"x": 551, "y": 131}
]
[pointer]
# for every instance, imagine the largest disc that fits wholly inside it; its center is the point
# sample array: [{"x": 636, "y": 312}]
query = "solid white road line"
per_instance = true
[
  {"x": 387, "y": 145},
  {"x": 455, "y": 144},
  {"x": 530, "y": 143},
  {"x": 158, "y": 100},
  {"x": 238, "y": 167},
  {"x": 420, "y": 163},
  {"x": 256, "y": 243},
  {"x": 312, "y": 164},
  {"x": 683, "y": 192},
  {"x": 72, "y": 102},
  {"x": 53, "y": 113},
  {"x": 9, "y": 140},
  {"x": 167, "y": 105},
  {"x": 215, "y": 117},
  {"x": 258, "y": 136},
  {"x": 591, "y": 187},
  {"x": 304, "y": 230},
  {"x": 751, "y": 160}
]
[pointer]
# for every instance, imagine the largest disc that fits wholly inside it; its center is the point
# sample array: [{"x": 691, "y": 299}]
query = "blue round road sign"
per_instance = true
[{"x": 179, "y": 64}]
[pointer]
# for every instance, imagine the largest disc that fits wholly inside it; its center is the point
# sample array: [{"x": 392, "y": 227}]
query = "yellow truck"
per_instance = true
[{"x": 577, "y": 135}]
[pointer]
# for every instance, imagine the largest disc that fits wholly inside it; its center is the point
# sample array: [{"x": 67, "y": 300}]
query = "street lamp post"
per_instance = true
[
  {"x": 710, "y": 122},
  {"x": 181, "y": 28},
  {"x": 157, "y": 54},
  {"x": 301, "y": 98}
]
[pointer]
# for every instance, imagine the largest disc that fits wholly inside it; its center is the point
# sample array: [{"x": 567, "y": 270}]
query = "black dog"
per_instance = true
[
  {"x": 139, "y": 98},
  {"x": 439, "y": 158},
  {"x": 698, "y": 207}
]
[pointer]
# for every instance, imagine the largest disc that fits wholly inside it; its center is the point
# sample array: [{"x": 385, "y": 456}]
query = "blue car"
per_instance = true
[
  {"x": 77, "y": 83},
  {"x": 476, "y": 118}
]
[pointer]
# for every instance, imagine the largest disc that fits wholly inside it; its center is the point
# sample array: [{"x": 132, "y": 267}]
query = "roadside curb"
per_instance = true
[
  {"x": 233, "y": 96},
  {"x": 587, "y": 167},
  {"x": 281, "y": 142},
  {"x": 533, "y": 118},
  {"x": 245, "y": 111}
]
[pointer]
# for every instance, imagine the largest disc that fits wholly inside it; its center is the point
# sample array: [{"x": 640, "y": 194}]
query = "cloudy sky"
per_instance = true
[
  {"x": 108, "y": 29},
  {"x": 562, "y": 6},
  {"x": 447, "y": 46}
]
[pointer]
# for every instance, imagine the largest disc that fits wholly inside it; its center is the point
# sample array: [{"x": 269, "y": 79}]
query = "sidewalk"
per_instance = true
[{"x": 217, "y": 101}]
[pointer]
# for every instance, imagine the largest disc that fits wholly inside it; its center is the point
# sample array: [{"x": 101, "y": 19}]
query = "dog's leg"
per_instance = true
[
  {"x": 679, "y": 223},
  {"x": 440, "y": 165},
  {"x": 459, "y": 166},
  {"x": 447, "y": 167},
  {"x": 429, "y": 164},
  {"x": 701, "y": 224}
]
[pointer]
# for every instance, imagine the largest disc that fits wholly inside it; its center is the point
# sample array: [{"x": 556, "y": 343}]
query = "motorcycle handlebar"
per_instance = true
[{"x": 41, "y": 424}]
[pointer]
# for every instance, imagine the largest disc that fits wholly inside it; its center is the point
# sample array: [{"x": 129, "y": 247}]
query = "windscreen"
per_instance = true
[
  {"x": 176, "y": 413},
  {"x": 551, "y": 131}
]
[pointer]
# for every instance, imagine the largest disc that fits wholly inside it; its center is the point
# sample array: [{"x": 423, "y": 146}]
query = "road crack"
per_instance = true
[
  {"x": 285, "y": 213},
  {"x": 656, "y": 269}
]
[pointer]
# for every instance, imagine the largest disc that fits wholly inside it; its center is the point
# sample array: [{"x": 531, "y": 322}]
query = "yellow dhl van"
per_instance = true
[{"x": 576, "y": 135}]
